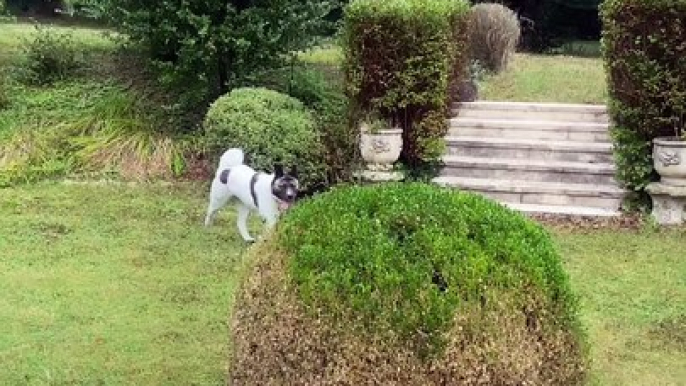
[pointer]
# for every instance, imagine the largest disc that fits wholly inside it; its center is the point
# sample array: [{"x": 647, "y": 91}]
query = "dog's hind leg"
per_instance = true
[
  {"x": 211, "y": 211},
  {"x": 242, "y": 222},
  {"x": 217, "y": 200}
]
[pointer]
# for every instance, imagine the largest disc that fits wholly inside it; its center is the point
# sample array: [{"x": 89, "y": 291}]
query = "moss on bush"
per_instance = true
[
  {"x": 408, "y": 284},
  {"x": 271, "y": 128}
]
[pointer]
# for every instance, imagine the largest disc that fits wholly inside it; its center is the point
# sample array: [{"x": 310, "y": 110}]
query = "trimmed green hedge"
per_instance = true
[
  {"x": 644, "y": 47},
  {"x": 400, "y": 61},
  {"x": 271, "y": 128},
  {"x": 405, "y": 284}
]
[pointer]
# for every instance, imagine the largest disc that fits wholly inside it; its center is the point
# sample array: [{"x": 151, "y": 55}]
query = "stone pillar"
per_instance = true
[{"x": 669, "y": 203}]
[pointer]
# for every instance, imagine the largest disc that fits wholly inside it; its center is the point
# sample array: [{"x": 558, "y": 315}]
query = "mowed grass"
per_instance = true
[
  {"x": 114, "y": 285},
  {"x": 13, "y": 35},
  {"x": 529, "y": 78},
  {"x": 548, "y": 78},
  {"x": 119, "y": 284},
  {"x": 632, "y": 286},
  {"x": 330, "y": 55}
]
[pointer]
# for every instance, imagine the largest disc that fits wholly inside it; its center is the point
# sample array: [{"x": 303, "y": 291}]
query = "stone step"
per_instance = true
[
  {"x": 529, "y": 170},
  {"x": 539, "y": 193},
  {"x": 531, "y": 111},
  {"x": 516, "y": 148},
  {"x": 534, "y": 129},
  {"x": 579, "y": 211}
]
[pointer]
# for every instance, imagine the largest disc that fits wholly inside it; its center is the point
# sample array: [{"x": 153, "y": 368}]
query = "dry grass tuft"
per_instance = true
[{"x": 495, "y": 33}]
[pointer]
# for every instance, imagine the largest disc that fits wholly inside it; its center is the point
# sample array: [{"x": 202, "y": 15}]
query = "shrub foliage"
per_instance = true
[
  {"x": 271, "y": 128},
  {"x": 207, "y": 47},
  {"x": 407, "y": 284},
  {"x": 494, "y": 35},
  {"x": 400, "y": 58},
  {"x": 50, "y": 56},
  {"x": 645, "y": 55},
  {"x": 321, "y": 91}
]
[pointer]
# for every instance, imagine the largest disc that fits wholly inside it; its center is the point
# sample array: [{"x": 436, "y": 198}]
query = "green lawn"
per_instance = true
[
  {"x": 117, "y": 284},
  {"x": 529, "y": 78},
  {"x": 13, "y": 34},
  {"x": 113, "y": 285},
  {"x": 548, "y": 78},
  {"x": 633, "y": 292},
  {"x": 122, "y": 285}
]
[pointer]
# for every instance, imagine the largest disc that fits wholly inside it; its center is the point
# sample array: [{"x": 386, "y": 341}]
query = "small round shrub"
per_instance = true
[
  {"x": 408, "y": 284},
  {"x": 271, "y": 128},
  {"x": 321, "y": 90},
  {"x": 495, "y": 32},
  {"x": 51, "y": 55}
]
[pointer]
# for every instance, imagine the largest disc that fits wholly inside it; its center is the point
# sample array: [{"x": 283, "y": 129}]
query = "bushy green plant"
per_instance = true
[
  {"x": 327, "y": 99},
  {"x": 51, "y": 55},
  {"x": 645, "y": 57},
  {"x": 320, "y": 89},
  {"x": 400, "y": 60},
  {"x": 494, "y": 34},
  {"x": 271, "y": 128},
  {"x": 409, "y": 284}
]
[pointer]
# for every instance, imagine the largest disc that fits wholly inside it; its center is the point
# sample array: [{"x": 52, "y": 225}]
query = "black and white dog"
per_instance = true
[{"x": 268, "y": 194}]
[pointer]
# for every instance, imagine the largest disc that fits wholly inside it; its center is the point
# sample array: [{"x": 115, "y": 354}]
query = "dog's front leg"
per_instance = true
[
  {"x": 242, "y": 223},
  {"x": 270, "y": 222}
]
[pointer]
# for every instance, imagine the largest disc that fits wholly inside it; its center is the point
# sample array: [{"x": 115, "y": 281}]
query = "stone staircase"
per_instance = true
[{"x": 534, "y": 157}]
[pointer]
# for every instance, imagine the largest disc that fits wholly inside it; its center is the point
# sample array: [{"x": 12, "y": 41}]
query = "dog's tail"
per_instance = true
[{"x": 230, "y": 158}]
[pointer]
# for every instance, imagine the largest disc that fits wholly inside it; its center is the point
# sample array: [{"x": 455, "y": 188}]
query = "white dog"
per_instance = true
[{"x": 268, "y": 194}]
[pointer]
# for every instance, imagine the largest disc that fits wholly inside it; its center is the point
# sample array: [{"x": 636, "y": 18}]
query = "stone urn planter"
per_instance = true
[
  {"x": 380, "y": 147},
  {"x": 669, "y": 158},
  {"x": 669, "y": 194}
]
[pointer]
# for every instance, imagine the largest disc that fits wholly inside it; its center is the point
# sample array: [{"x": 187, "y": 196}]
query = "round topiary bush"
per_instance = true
[
  {"x": 407, "y": 284},
  {"x": 271, "y": 128}
]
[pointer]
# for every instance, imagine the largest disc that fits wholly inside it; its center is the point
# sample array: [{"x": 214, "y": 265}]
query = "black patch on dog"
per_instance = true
[
  {"x": 253, "y": 181},
  {"x": 278, "y": 171},
  {"x": 224, "y": 176}
]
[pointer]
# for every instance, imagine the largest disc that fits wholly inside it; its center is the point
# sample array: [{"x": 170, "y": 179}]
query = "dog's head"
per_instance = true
[{"x": 285, "y": 186}]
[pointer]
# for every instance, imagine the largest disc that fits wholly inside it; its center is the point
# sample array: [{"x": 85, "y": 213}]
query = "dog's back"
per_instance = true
[{"x": 233, "y": 177}]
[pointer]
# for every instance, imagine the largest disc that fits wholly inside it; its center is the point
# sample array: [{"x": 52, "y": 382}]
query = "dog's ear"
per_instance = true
[
  {"x": 278, "y": 170},
  {"x": 294, "y": 171}
]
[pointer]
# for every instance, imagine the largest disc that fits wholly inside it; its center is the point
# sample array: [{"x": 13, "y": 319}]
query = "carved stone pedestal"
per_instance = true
[
  {"x": 669, "y": 203},
  {"x": 372, "y": 176}
]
